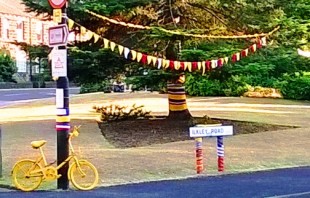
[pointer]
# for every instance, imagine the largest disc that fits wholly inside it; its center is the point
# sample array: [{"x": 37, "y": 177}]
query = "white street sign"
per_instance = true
[
  {"x": 58, "y": 35},
  {"x": 59, "y": 63},
  {"x": 205, "y": 131}
]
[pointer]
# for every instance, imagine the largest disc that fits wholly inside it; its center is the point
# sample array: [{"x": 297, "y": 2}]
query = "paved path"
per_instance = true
[{"x": 277, "y": 184}]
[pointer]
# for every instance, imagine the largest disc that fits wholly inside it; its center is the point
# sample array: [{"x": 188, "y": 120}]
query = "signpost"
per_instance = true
[
  {"x": 200, "y": 131},
  {"x": 58, "y": 36},
  {"x": 57, "y": 4}
]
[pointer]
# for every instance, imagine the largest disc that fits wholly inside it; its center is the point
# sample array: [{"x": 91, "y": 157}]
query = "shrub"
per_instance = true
[
  {"x": 295, "y": 87},
  {"x": 117, "y": 112},
  {"x": 95, "y": 87}
]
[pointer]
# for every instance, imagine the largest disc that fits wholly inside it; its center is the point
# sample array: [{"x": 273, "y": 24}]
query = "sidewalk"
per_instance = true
[{"x": 243, "y": 153}]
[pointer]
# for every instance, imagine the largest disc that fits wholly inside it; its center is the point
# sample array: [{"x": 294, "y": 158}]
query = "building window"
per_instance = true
[
  {"x": 39, "y": 32},
  {"x": 5, "y": 30},
  {"x": 20, "y": 31}
]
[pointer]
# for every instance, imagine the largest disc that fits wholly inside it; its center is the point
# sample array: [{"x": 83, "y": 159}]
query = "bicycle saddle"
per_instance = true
[{"x": 37, "y": 144}]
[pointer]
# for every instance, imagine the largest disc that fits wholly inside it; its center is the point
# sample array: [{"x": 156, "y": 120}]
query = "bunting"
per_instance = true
[{"x": 162, "y": 63}]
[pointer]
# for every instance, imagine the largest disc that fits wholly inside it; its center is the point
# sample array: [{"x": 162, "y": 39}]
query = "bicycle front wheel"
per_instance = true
[
  {"x": 22, "y": 177},
  {"x": 83, "y": 175}
]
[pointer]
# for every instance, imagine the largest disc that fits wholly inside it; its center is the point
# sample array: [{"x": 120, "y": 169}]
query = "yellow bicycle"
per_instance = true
[{"x": 28, "y": 174}]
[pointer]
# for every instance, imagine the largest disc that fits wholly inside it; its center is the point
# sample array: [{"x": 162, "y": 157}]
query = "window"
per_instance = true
[
  {"x": 5, "y": 30},
  {"x": 20, "y": 31}
]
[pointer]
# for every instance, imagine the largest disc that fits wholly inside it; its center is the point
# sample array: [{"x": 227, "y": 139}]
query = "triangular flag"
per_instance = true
[
  {"x": 133, "y": 54},
  {"x": 70, "y": 24},
  {"x": 166, "y": 63},
  {"x": 264, "y": 42},
  {"x": 96, "y": 38},
  {"x": 246, "y": 52},
  {"x": 254, "y": 47},
  {"x": 89, "y": 35},
  {"x": 171, "y": 64},
  {"x": 159, "y": 60},
  {"x": 154, "y": 59},
  {"x": 106, "y": 43},
  {"x": 187, "y": 65},
  {"x": 112, "y": 45},
  {"x": 199, "y": 65},
  {"x": 143, "y": 59},
  {"x": 83, "y": 30},
  {"x": 237, "y": 56},
  {"x": 120, "y": 49},
  {"x": 126, "y": 52},
  {"x": 226, "y": 60},
  {"x": 149, "y": 59},
  {"x": 203, "y": 67},
  {"x": 177, "y": 65},
  {"x": 139, "y": 56},
  {"x": 192, "y": 66},
  {"x": 214, "y": 64}
]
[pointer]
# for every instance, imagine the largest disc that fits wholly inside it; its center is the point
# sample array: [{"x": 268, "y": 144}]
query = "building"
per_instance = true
[{"x": 17, "y": 25}]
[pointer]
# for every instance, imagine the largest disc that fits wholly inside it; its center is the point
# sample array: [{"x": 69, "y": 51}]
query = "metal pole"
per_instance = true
[{"x": 63, "y": 120}]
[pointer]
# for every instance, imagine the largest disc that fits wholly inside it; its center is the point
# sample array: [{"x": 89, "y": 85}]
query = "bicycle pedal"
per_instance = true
[{"x": 59, "y": 175}]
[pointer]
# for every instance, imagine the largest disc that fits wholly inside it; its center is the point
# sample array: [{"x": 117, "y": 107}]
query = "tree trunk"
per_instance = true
[{"x": 177, "y": 100}]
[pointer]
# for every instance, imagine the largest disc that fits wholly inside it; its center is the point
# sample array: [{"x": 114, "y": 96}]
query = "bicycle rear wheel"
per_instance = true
[
  {"x": 83, "y": 175},
  {"x": 22, "y": 178}
]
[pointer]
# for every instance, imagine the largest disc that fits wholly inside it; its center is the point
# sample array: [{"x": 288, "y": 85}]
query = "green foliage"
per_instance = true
[
  {"x": 91, "y": 67},
  {"x": 117, "y": 112},
  {"x": 295, "y": 86},
  {"x": 7, "y": 68},
  {"x": 104, "y": 86},
  {"x": 197, "y": 85}
]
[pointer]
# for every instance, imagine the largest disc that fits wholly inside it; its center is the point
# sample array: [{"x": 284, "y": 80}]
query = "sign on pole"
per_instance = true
[
  {"x": 58, "y": 35},
  {"x": 210, "y": 131},
  {"x": 57, "y": 15},
  {"x": 57, "y": 4},
  {"x": 59, "y": 63}
]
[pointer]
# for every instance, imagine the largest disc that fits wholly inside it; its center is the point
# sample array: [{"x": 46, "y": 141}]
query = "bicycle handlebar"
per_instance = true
[{"x": 75, "y": 131}]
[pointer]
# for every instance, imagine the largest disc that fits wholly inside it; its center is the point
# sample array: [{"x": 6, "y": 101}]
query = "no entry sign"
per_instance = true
[{"x": 57, "y": 4}]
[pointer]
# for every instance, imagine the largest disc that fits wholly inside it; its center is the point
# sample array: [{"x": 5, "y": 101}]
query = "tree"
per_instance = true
[{"x": 7, "y": 68}]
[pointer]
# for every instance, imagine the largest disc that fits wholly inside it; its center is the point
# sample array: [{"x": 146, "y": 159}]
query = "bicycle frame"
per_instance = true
[{"x": 42, "y": 160}]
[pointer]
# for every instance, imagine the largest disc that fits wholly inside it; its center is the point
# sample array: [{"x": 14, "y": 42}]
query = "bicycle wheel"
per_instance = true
[
  {"x": 22, "y": 178},
  {"x": 83, "y": 175}
]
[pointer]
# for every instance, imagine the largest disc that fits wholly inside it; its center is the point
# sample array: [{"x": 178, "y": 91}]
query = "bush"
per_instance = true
[
  {"x": 7, "y": 68},
  {"x": 196, "y": 85},
  {"x": 295, "y": 87},
  {"x": 96, "y": 87}
]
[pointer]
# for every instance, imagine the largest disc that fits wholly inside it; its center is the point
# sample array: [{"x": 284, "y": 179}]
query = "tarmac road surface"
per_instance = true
[{"x": 282, "y": 183}]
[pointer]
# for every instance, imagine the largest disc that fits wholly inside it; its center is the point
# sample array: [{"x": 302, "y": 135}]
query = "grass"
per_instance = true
[{"x": 243, "y": 153}]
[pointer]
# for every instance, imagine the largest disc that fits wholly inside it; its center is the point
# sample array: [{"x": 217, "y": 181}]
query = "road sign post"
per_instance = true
[
  {"x": 58, "y": 36},
  {"x": 200, "y": 131}
]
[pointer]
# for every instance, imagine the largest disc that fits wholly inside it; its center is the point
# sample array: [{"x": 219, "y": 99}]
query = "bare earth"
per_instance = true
[{"x": 134, "y": 151}]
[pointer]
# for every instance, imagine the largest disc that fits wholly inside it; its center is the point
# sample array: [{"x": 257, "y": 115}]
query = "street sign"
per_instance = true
[
  {"x": 57, "y": 15},
  {"x": 59, "y": 63},
  {"x": 57, "y": 4},
  {"x": 207, "y": 131},
  {"x": 58, "y": 35}
]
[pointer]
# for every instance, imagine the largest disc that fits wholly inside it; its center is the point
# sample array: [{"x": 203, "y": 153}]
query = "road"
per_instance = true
[
  {"x": 294, "y": 182},
  {"x": 8, "y": 96}
]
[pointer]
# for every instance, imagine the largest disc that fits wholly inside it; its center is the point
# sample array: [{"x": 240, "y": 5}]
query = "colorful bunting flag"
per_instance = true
[
  {"x": 112, "y": 45},
  {"x": 133, "y": 55},
  {"x": 126, "y": 52},
  {"x": 120, "y": 49},
  {"x": 139, "y": 56}
]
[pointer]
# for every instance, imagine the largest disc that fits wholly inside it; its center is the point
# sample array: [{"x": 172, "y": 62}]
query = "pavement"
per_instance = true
[{"x": 243, "y": 153}]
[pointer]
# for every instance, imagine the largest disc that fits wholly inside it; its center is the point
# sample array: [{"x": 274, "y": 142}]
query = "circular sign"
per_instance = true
[{"x": 57, "y": 4}]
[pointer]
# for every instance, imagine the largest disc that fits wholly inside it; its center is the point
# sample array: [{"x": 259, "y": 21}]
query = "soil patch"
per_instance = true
[{"x": 143, "y": 132}]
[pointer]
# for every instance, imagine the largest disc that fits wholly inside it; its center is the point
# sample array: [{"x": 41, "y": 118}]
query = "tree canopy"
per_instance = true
[{"x": 269, "y": 67}]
